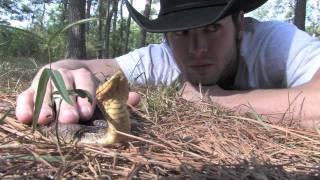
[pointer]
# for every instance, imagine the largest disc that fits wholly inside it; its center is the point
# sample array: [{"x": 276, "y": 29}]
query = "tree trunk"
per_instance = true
[
  {"x": 121, "y": 29},
  {"x": 88, "y": 7},
  {"x": 77, "y": 36},
  {"x": 109, "y": 15},
  {"x": 300, "y": 14},
  {"x": 101, "y": 13},
  {"x": 126, "y": 40},
  {"x": 115, "y": 36},
  {"x": 65, "y": 10},
  {"x": 143, "y": 33}
]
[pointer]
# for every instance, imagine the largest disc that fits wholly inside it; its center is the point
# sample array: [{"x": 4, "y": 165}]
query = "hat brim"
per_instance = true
[
  {"x": 179, "y": 20},
  {"x": 187, "y": 19}
]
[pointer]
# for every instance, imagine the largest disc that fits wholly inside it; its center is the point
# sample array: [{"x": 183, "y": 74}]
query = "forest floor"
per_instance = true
[{"x": 174, "y": 139}]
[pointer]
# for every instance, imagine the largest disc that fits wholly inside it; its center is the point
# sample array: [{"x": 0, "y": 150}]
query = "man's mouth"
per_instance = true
[{"x": 200, "y": 67}]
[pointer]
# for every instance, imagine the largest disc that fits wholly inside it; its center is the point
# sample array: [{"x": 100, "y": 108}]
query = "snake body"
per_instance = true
[{"x": 111, "y": 99}]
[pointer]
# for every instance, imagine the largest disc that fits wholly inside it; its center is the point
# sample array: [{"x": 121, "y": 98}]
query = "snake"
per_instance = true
[{"x": 111, "y": 98}]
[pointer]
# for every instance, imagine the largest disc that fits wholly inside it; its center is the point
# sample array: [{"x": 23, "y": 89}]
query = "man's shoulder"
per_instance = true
[
  {"x": 269, "y": 35},
  {"x": 266, "y": 27},
  {"x": 276, "y": 49},
  {"x": 159, "y": 49},
  {"x": 273, "y": 34}
]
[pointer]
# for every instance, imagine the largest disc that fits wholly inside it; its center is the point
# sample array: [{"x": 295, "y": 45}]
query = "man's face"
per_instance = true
[{"x": 204, "y": 55}]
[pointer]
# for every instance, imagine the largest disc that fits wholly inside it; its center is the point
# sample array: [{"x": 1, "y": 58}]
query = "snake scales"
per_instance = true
[{"x": 111, "y": 99}]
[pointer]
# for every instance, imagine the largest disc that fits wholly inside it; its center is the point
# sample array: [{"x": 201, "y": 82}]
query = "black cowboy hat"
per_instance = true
[{"x": 178, "y": 15}]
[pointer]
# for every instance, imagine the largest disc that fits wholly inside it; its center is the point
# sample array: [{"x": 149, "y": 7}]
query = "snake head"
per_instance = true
[
  {"x": 112, "y": 97},
  {"x": 115, "y": 88}
]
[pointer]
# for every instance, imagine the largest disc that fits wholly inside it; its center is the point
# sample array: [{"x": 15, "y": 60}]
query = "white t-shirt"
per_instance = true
[{"x": 276, "y": 55}]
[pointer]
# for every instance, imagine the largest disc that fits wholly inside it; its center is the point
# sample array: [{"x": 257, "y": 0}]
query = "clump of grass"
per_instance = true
[
  {"x": 15, "y": 72},
  {"x": 159, "y": 99}
]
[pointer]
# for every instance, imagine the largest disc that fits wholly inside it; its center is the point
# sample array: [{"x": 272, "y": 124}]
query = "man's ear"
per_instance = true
[
  {"x": 165, "y": 36},
  {"x": 241, "y": 24}
]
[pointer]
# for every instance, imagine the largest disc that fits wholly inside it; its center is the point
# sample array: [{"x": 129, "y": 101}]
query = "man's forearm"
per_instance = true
[
  {"x": 99, "y": 67},
  {"x": 301, "y": 104}
]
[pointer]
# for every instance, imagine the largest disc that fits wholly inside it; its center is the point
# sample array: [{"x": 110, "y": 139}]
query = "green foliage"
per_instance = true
[
  {"x": 314, "y": 29},
  {"x": 13, "y": 9},
  {"x": 20, "y": 43},
  {"x": 283, "y": 10},
  {"x": 59, "y": 84},
  {"x": 13, "y": 42},
  {"x": 154, "y": 38}
]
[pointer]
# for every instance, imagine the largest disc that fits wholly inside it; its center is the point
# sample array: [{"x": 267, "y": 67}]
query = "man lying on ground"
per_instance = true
[{"x": 272, "y": 66}]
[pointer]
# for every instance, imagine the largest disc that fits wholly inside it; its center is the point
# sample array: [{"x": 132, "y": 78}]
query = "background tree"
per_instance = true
[
  {"x": 101, "y": 12},
  {"x": 114, "y": 38},
  {"x": 77, "y": 36},
  {"x": 119, "y": 37},
  {"x": 112, "y": 35},
  {"x": 109, "y": 15},
  {"x": 127, "y": 33},
  {"x": 88, "y": 13},
  {"x": 300, "y": 14},
  {"x": 143, "y": 33},
  {"x": 65, "y": 10}
]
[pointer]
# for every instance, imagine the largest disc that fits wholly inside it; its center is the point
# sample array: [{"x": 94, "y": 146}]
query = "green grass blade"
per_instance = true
[
  {"x": 69, "y": 26},
  {"x": 26, "y": 32},
  {"x": 78, "y": 92},
  {"x": 4, "y": 43},
  {"x": 83, "y": 93},
  {"x": 4, "y": 116},
  {"x": 41, "y": 91},
  {"x": 60, "y": 85},
  {"x": 258, "y": 117}
]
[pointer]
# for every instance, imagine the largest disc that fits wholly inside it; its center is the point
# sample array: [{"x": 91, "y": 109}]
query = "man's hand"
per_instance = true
[
  {"x": 77, "y": 74},
  {"x": 74, "y": 79},
  {"x": 82, "y": 109}
]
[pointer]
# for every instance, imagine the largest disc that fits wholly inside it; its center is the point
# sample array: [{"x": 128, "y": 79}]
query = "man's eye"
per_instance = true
[
  {"x": 180, "y": 33},
  {"x": 212, "y": 27}
]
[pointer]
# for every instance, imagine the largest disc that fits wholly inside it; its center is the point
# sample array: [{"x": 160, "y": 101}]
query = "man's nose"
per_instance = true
[{"x": 198, "y": 46}]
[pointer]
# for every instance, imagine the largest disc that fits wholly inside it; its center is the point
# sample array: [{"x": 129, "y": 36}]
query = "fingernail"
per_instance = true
[
  {"x": 85, "y": 111},
  {"x": 68, "y": 116}
]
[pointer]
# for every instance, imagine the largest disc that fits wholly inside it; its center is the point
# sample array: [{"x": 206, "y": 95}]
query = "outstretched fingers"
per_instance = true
[
  {"x": 83, "y": 79},
  {"x": 25, "y": 105},
  {"x": 26, "y": 102},
  {"x": 67, "y": 113}
]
